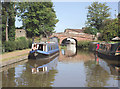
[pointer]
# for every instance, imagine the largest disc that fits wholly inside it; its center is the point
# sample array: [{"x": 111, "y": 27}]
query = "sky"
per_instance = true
[{"x": 73, "y": 15}]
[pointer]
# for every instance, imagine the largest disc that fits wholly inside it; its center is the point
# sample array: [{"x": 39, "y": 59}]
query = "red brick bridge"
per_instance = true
[{"x": 76, "y": 37}]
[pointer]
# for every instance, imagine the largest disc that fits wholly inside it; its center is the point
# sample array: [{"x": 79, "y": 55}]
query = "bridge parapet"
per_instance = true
[{"x": 78, "y": 37}]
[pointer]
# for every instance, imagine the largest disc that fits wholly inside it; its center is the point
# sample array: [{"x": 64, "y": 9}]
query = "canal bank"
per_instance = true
[{"x": 13, "y": 57}]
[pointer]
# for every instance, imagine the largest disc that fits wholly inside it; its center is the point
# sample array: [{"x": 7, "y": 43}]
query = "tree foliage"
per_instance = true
[
  {"x": 91, "y": 30},
  {"x": 109, "y": 29},
  {"x": 97, "y": 13},
  {"x": 38, "y": 17}
]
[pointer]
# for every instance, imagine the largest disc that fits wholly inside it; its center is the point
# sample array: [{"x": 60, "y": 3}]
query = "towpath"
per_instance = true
[{"x": 15, "y": 56}]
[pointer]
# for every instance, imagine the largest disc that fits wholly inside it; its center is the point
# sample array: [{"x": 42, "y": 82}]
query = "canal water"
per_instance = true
[{"x": 71, "y": 68}]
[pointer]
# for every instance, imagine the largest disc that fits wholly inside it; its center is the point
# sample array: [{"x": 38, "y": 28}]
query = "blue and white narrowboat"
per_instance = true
[{"x": 43, "y": 50}]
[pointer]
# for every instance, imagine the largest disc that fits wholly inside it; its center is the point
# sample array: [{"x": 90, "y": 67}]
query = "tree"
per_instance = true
[
  {"x": 109, "y": 29},
  {"x": 11, "y": 22},
  {"x": 119, "y": 24},
  {"x": 91, "y": 30},
  {"x": 4, "y": 21},
  {"x": 8, "y": 21},
  {"x": 97, "y": 13},
  {"x": 38, "y": 17}
]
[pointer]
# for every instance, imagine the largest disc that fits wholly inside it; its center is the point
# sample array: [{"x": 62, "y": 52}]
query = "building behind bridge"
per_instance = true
[{"x": 75, "y": 31}]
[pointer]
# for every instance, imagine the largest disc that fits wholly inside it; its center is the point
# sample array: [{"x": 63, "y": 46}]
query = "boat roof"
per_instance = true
[{"x": 46, "y": 43}]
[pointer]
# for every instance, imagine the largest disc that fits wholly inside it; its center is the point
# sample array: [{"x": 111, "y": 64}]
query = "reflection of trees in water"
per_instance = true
[
  {"x": 8, "y": 78},
  {"x": 96, "y": 75}
]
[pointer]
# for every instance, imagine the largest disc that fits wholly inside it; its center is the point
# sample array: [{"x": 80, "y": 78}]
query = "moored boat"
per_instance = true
[
  {"x": 109, "y": 51},
  {"x": 43, "y": 50}
]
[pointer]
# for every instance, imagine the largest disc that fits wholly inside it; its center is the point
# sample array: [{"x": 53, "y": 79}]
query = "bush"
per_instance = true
[
  {"x": 9, "y": 46},
  {"x": 83, "y": 44},
  {"x": 22, "y": 43},
  {"x": 18, "y": 44},
  {"x": 29, "y": 43}
]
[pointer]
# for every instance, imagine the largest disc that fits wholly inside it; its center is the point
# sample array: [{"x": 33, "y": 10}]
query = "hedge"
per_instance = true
[
  {"x": 18, "y": 44},
  {"x": 83, "y": 44}
]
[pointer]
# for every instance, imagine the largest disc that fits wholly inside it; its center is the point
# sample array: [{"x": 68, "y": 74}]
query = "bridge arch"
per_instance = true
[{"x": 62, "y": 40}]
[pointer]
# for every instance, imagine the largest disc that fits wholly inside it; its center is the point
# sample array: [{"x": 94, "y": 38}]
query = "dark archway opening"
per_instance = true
[
  {"x": 69, "y": 41},
  {"x": 71, "y": 46}
]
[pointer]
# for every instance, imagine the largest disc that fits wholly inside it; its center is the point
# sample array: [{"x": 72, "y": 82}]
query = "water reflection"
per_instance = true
[
  {"x": 70, "y": 50},
  {"x": 84, "y": 69},
  {"x": 100, "y": 72},
  {"x": 22, "y": 76},
  {"x": 43, "y": 66},
  {"x": 70, "y": 54},
  {"x": 111, "y": 66}
]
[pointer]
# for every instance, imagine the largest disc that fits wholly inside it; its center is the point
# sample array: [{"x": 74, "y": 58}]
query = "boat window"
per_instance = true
[
  {"x": 49, "y": 48},
  {"x": 44, "y": 47},
  {"x": 119, "y": 48},
  {"x": 40, "y": 47},
  {"x": 40, "y": 69}
]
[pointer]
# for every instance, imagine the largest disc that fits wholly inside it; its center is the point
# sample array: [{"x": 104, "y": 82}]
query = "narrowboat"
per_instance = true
[
  {"x": 43, "y": 50},
  {"x": 109, "y": 51}
]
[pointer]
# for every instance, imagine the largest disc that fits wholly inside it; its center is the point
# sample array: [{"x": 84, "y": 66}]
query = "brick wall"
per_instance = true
[{"x": 20, "y": 33}]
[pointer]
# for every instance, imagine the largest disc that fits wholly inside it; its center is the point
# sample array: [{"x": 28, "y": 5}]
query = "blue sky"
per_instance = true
[{"x": 73, "y": 14}]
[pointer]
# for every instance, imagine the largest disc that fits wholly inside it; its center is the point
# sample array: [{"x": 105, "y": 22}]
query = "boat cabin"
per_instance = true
[
  {"x": 110, "y": 48},
  {"x": 48, "y": 46}
]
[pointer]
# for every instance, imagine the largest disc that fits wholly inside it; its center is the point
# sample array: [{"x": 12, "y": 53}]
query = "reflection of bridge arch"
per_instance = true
[{"x": 77, "y": 58}]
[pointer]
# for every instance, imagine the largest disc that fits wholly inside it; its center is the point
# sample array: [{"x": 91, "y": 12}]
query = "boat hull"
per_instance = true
[
  {"x": 110, "y": 57},
  {"x": 38, "y": 55}
]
